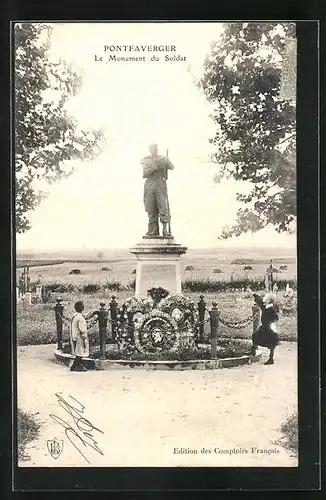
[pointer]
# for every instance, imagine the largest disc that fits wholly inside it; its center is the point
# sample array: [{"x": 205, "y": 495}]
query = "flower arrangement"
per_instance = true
[
  {"x": 125, "y": 332},
  {"x": 127, "y": 319},
  {"x": 185, "y": 313},
  {"x": 180, "y": 307},
  {"x": 157, "y": 294},
  {"x": 177, "y": 300},
  {"x": 156, "y": 331},
  {"x": 138, "y": 304}
]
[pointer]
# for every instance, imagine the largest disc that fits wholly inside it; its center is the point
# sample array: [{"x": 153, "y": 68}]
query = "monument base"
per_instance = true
[{"x": 158, "y": 264}]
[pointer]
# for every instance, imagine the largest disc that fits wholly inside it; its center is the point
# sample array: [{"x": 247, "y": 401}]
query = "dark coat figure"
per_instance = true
[
  {"x": 266, "y": 335},
  {"x": 155, "y": 169}
]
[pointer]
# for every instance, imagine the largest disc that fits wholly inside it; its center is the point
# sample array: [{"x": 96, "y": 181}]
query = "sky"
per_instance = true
[{"x": 136, "y": 103}]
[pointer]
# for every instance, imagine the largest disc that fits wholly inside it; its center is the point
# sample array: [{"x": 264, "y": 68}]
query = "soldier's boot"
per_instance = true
[
  {"x": 166, "y": 231},
  {"x": 153, "y": 229}
]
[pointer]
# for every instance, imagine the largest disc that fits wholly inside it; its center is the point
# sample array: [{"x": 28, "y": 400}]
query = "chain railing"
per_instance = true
[
  {"x": 122, "y": 323},
  {"x": 238, "y": 325},
  {"x": 198, "y": 324},
  {"x": 90, "y": 322}
]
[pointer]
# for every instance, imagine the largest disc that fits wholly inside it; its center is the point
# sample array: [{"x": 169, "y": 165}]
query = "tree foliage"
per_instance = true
[
  {"x": 255, "y": 129},
  {"x": 46, "y": 137}
]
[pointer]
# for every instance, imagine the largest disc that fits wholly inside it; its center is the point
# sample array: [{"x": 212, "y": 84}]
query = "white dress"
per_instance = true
[{"x": 78, "y": 334}]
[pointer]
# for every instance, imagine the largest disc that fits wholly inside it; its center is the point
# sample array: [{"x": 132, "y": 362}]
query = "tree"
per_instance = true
[
  {"x": 255, "y": 128},
  {"x": 46, "y": 137}
]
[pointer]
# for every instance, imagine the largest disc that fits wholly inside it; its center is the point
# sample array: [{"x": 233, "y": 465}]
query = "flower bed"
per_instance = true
[
  {"x": 227, "y": 348},
  {"x": 192, "y": 359}
]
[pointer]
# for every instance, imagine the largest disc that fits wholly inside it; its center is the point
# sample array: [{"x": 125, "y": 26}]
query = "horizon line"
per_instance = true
[{"x": 290, "y": 247}]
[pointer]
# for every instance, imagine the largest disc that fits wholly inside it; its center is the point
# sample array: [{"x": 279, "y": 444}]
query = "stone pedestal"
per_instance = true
[{"x": 158, "y": 264}]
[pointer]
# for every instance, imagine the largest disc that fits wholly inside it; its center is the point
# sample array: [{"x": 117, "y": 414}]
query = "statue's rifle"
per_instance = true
[{"x": 167, "y": 197}]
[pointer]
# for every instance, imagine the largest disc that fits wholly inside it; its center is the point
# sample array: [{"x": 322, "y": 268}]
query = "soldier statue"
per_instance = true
[{"x": 155, "y": 169}]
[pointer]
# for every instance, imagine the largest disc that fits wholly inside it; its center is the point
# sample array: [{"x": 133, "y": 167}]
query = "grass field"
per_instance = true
[
  {"x": 122, "y": 264},
  {"x": 36, "y": 325}
]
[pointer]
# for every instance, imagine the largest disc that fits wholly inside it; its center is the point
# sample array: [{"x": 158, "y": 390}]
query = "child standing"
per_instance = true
[
  {"x": 79, "y": 338},
  {"x": 266, "y": 335}
]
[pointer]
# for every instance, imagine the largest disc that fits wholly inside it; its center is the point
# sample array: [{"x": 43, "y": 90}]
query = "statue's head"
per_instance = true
[{"x": 153, "y": 148}]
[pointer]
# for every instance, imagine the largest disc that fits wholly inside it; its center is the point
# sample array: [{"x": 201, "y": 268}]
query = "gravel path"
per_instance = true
[{"x": 146, "y": 416}]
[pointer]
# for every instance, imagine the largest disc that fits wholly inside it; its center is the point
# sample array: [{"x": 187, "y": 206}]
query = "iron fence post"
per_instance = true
[
  {"x": 214, "y": 321},
  {"x": 201, "y": 310},
  {"x": 58, "y": 310},
  {"x": 113, "y": 316},
  {"x": 102, "y": 327}
]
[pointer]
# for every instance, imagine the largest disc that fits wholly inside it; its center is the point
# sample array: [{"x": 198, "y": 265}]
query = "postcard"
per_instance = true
[{"x": 156, "y": 250}]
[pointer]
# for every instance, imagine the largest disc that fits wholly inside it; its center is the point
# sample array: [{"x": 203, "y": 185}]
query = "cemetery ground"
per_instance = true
[{"x": 146, "y": 416}]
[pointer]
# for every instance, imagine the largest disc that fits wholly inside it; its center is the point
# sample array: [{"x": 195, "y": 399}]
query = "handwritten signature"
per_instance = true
[{"x": 85, "y": 437}]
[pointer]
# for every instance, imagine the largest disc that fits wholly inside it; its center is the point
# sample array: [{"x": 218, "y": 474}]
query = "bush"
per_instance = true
[
  {"x": 209, "y": 285},
  {"x": 283, "y": 267},
  {"x": 27, "y": 430},
  {"x": 47, "y": 296},
  {"x": 90, "y": 288},
  {"x": 32, "y": 286},
  {"x": 131, "y": 285},
  {"x": 106, "y": 269},
  {"x": 242, "y": 261},
  {"x": 157, "y": 294},
  {"x": 75, "y": 271},
  {"x": 217, "y": 271},
  {"x": 247, "y": 268},
  {"x": 282, "y": 282},
  {"x": 134, "y": 271},
  {"x": 290, "y": 433},
  {"x": 113, "y": 285},
  {"x": 58, "y": 287},
  {"x": 190, "y": 268}
]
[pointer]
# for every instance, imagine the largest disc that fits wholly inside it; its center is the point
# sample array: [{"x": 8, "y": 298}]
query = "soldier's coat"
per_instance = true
[{"x": 155, "y": 189}]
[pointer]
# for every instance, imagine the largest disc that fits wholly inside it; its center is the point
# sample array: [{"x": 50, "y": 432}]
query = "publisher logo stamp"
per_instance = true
[{"x": 55, "y": 447}]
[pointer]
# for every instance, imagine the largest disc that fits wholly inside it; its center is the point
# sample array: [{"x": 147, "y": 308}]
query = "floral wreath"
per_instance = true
[
  {"x": 141, "y": 305},
  {"x": 138, "y": 304},
  {"x": 180, "y": 307},
  {"x": 156, "y": 331}
]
